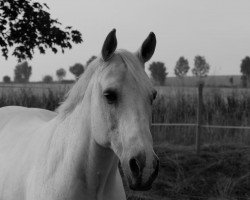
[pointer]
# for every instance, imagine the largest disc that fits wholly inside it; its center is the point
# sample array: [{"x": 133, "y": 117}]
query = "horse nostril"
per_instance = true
[{"x": 134, "y": 167}]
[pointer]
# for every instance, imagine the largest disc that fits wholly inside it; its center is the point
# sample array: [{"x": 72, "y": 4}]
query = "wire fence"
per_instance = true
[{"x": 200, "y": 125}]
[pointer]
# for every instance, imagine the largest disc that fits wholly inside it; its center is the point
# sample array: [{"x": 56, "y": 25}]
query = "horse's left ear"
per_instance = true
[
  {"x": 148, "y": 48},
  {"x": 109, "y": 45}
]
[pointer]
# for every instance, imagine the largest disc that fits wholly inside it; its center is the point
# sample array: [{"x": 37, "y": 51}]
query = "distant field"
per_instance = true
[
  {"x": 40, "y": 88},
  {"x": 170, "y": 91},
  {"x": 36, "y": 88},
  {"x": 211, "y": 81},
  {"x": 172, "y": 84}
]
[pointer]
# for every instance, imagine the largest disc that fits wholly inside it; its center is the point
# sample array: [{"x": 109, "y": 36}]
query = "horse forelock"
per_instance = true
[{"x": 136, "y": 69}]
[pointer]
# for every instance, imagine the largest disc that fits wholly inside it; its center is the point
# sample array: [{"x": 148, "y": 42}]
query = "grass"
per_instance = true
[
  {"x": 26, "y": 97},
  {"x": 220, "y": 171},
  {"x": 211, "y": 80}
]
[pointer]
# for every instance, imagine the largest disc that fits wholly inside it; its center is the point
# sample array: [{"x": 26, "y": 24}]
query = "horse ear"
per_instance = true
[
  {"x": 148, "y": 48},
  {"x": 109, "y": 45}
]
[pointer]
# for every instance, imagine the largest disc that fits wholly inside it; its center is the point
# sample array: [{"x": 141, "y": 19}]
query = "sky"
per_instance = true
[{"x": 216, "y": 29}]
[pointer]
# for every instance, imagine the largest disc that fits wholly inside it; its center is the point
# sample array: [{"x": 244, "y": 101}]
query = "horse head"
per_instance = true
[{"x": 121, "y": 101}]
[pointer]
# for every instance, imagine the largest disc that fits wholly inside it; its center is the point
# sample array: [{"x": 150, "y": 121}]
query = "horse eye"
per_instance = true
[
  {"x": 111, "y": 96},
  {"x": 154, "y": 95}
]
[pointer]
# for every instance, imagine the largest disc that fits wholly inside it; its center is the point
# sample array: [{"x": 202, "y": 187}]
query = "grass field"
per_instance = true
[
  {"x": 220, "y": 171},
  {"x": 210, "y": 81}
]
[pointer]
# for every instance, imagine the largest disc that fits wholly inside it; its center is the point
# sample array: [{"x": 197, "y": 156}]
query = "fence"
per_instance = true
[{"x": 199, "y": 124}]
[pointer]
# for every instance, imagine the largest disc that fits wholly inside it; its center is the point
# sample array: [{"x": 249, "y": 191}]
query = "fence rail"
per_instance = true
[{"x": 202, "y": 126}]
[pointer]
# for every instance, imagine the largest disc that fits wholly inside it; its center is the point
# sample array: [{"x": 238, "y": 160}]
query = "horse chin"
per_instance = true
[
  {"x": 137, "y": 185},
  {"x": 140, "y": 188}
]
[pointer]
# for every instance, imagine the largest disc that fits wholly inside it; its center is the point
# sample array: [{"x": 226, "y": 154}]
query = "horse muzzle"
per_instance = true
[{"x": 141, "y": 178}]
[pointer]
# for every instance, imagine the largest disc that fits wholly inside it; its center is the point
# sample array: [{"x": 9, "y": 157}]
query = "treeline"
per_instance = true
[
  {"x": 23, "y": 71},
  {"x": 158, "y": 71},
  {"x": 200, "y": 69}
]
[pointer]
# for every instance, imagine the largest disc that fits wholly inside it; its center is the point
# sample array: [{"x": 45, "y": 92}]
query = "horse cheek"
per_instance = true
[
  {"x": 98, "y": 123},
  {"x": 114, "y": 133}
]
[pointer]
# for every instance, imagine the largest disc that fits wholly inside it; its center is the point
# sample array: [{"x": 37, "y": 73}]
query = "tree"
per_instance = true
[
  {"x": 47, "y": 79},
  {"x": 181, "y": 67},
  {"x": 27, "y": 25},
  {"x": 231, "y": 80},
  {"x": 60, "y": 73},
  {"x": 90, "y": 60},
  {"x": 201, "y": 67},
  {"x": 22, "y": 72},
  {"x": 244, "y": 81},
  {"x": 77, "y": 69},
  {"x": 158, "y": 72},
  {"x": 245, "y": 70},
  {"x": 6, "y": 79}
]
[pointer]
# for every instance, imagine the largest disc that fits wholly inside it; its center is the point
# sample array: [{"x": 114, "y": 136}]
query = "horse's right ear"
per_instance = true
[
  {"x": 148, "y": 48},
  {"x": 109, "y": 45}
]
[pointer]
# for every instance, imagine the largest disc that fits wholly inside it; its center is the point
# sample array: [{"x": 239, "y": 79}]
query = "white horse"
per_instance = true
[{"x": 73, "y": 154}]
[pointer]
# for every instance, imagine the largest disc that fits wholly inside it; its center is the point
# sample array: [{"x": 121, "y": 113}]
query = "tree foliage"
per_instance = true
[
  {"x": 47, "y": 79},
  {"x": 231, "y": 80},
  {"x": 201, "y": 67},
  {"x": 60, "y": 73},
  {"x": 158, "y": 72},
  {"x": 22, "y": 72},
  {"x": 6, "y": 79},
  {"x": 77, "y": 70},
  {"x": 245, "y": 71},
  {"x": 244, "y": 81},
  {"x": 181, "y": 67},
  {"x": 26, "y": 25}
]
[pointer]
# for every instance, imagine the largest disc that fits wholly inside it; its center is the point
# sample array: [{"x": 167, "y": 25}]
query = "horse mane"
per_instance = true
[{"x": 77, "y": 92}]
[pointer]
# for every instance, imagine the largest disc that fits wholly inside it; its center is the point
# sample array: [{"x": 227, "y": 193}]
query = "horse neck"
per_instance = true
[{"x": 94, "y": 165}]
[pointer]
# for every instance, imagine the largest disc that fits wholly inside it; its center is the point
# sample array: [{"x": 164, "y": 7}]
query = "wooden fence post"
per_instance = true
[{"x": 199, "y": 117}]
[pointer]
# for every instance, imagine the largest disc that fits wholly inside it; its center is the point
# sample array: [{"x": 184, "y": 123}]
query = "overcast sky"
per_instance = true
[{"x": 216, "y": 29}]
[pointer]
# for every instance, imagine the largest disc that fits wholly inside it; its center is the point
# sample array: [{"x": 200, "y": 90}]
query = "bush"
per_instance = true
[
  {"x": 47, "y": 79},
  {"x": 6, "y": 79}
]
